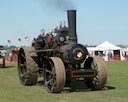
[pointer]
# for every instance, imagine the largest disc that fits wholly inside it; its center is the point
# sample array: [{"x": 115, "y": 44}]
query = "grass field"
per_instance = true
[{"x": 116, "y": 89}]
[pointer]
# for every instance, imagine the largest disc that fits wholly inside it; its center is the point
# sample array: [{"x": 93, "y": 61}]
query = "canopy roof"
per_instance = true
[{"x": 107, "y": 46}]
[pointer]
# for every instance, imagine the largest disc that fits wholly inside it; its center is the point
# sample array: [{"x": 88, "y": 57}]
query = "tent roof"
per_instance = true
[
  {"x": 91, "y": 48},
  {"x": 107, "y": 46}
]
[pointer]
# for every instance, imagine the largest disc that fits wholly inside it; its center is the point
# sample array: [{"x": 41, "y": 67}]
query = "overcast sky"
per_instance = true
[{"x": 97, "y": 20}]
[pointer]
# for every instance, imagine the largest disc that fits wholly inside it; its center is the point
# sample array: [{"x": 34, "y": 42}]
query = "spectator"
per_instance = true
[{"x": 110, "y": 55}]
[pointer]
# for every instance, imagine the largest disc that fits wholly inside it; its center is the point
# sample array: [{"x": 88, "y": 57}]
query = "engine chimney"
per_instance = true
[{"x": 72, "y": 25}]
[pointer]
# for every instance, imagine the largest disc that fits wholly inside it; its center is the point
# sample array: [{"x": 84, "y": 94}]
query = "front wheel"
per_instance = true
[
  {"x": 98, "y": 64},
  {"x": 54, "y": 75}
]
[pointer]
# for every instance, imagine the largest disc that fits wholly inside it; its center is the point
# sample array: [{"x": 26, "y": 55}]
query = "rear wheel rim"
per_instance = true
[{"x": 22, "y": 67}]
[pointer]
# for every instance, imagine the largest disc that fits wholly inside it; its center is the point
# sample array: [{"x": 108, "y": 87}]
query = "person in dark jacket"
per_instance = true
[
  {"x": 40, "y": 41},
  {"x": 40, "y": 44}
]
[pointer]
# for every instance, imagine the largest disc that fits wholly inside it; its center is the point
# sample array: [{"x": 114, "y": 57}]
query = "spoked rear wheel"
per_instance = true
[
  {"x": 54, "y": 75},
  {"x": 98, "y": 64},
  {"x": 27, "y": 66}
]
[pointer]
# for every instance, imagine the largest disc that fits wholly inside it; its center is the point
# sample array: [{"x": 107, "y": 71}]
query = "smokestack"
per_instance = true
[{"x": 72, "y": 25}]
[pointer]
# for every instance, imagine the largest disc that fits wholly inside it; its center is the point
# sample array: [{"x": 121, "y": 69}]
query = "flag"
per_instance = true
[
  {"x": 9, "y": 41},
  {"x": 27, "y": 38},
  {"x": 19, "y": 39}
]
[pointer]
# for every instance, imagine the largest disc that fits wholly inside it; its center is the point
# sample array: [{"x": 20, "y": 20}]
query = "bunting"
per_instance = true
[
  {"x": 19, "y": 39},
  {"x": 27, "y": 38},
  {"x": 9, "y": 41}
]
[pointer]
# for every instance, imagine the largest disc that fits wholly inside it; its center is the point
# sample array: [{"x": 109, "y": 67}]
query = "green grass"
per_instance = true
[{"x": 116, "y": 89}]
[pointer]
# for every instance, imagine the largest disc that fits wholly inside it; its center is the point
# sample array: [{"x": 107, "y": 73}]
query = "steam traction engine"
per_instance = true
[{"x": 64, "y": 61}]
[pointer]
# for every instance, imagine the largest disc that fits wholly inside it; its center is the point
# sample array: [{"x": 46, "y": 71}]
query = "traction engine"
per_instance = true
[{"x": 64, "y": 61}]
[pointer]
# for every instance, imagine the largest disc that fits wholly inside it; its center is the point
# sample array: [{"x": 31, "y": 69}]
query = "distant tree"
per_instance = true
[
  {"x": 86, "y": 45},
  {"x": 122, "y": 46},
  {"x": 90, "y": 45},
  {"x": 5, "y": 47},
  {"x": 12, "y": 46}
]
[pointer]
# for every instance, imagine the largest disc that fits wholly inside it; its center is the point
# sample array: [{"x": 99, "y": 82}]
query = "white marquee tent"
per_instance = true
[{"x": 107, "y": 46}]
